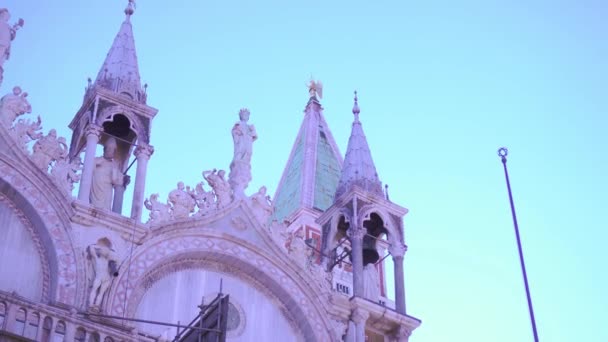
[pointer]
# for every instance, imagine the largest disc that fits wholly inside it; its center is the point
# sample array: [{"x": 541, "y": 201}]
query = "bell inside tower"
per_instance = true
[{"x": 375, "y": 228}]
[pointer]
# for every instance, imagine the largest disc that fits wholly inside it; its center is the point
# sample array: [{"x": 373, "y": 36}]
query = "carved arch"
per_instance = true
[
  {"x": 394, "y": 234},
  {"x": 218, "y": 248},
  {"x": 52, "y": 226},
  {"x": 136, "y": 125}
]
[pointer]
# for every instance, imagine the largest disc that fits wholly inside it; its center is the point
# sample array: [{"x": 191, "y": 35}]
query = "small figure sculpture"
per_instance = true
[
  {"x": 7, "y": 34},
  {"x": 261, "y": 205},
  {"x": 243, "y": 135},
  {"x": 49, "y": 149},
  {"x": 13, "y": 105},
  {"x": 371, "y": 283},
  {"x": 279, "y": 234},
  {"x": 25, "y": 131},
  {"x": 159, "y": 212},
  {"x": 298, "y": 248},
  {"x": 66, "y": 174},
  {"x": 315, "y": 88},
  {"x": 104, "y": 262},
  {"x": 106, "y": 175},
  {"x": 204, "y": 199},
  {"x": 220, "y": 187},
  {"x": 182, "y": 202}
]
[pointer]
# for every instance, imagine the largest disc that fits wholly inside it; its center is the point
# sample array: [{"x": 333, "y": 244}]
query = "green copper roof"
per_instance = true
[
  {"x": 287, "y": 200},
  {"x": 327, "y": 173}
]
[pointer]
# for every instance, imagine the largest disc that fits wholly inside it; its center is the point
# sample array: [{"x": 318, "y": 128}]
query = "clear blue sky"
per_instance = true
[{"x": 442, "y": 85}]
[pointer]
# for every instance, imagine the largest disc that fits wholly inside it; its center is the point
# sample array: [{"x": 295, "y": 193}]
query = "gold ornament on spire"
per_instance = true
[{"x": 315, "y": 88}]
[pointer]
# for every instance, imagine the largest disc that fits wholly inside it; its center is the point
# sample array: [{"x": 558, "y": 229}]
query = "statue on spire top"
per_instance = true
[{"x": 315, "y": 88}]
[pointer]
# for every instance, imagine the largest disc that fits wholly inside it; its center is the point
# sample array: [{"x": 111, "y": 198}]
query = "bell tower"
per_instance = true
[
  {"x": 115, "y": 109},
  {"x": 363, "y": 217}
]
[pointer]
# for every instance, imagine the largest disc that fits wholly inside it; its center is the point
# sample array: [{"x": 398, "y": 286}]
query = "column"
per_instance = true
[
  {"x": 70, "y": 331},
  {"x": 142, "y": 153},
  {"x": 92, "y": 135},
  {"x": 356, "y": 235},
  {"x": 119, "y": 195},
  {"x": 11, "y": 316},
  {"x": 360, "y": 316},
  {"x": 397, "y": 250}
]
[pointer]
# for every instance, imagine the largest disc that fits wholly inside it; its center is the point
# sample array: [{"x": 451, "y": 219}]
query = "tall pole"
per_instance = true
[{"x": 502, "y": 153}]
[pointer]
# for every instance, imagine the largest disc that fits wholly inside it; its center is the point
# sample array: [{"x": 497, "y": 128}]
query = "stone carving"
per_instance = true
[
  {"x": 49, "y": 149},
  {"x": 243, "y": 135},
  {"x": 104, "y": 263},
  {"x": 182, "y": 202},
  {"x": 106, "y": 175},
  {"x": 339, "y": 329},
  {"x": 371, "y": 283},
  {"x": 13, "y": 105},
  {"x": 65, "y": 174},
  {"x": 278, "y": 233},
  {"x": 298, "y": 249},
  {"x": 315, "y": 88},
  {"x": 7, "y": 34},
  {"x": 159, "y": 212},
  {"x": 220, "y": 187},
  {"x": 261, "y": 205},
  {"x": 25, "y": 131},
  {"x": 205, "y": 200}
]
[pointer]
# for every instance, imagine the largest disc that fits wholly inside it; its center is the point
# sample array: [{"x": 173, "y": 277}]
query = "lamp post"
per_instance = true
[{"x": 502, "y": 153}]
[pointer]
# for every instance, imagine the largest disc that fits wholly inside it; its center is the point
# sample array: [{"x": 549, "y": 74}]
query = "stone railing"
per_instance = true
[{"x": 24, "y": 320}]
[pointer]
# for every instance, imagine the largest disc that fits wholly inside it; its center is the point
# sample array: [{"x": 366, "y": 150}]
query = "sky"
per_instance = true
[{"x": 442, "y": 85}]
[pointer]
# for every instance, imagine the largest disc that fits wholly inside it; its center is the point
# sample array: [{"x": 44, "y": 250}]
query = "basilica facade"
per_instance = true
[{"x": 79, "y": 261}]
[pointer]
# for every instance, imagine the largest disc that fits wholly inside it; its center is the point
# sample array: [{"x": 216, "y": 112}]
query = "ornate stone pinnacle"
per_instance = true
[
  {"x": 356, "y": 109},
  {"x": 130, "y": 8}
]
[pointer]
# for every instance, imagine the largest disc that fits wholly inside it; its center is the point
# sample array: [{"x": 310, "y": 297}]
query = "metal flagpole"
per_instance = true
[{"x": 502, "y": 153}]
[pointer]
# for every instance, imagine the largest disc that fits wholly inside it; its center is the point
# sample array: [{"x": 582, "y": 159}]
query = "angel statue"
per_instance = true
[{"x": 315, "y": 88}]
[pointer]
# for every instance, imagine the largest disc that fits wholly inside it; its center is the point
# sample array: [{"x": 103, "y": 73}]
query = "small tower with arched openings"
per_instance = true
[
  {"x": 115, "y": 107},
  {"x": 365, "y": 223}
]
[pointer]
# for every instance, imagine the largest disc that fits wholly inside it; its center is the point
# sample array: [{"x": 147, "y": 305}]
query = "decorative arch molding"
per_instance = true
[
  {"x": 240, "y": 258},
  {"x": 394, "y": 234},
  {"x": 107, "y": 114},
  {"x": 43, "y": 253},
  {"x": 50, "y": 221}
]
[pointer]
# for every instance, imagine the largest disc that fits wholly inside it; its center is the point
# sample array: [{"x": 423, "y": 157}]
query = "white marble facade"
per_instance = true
[{"x": 65, "y": 260}]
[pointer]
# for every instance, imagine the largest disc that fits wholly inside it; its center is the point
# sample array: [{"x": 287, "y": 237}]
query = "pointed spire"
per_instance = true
[
  {"x": 358, "y": 169},
  {"x": 120, "y": 70},
  {"x": 312, "y": 172}
]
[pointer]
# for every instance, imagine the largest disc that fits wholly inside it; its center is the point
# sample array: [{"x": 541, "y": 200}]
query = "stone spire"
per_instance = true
[
  {"x": 120, "y": 71},
  {"x": 312, "y": 172},
  {"x": 358, "y": 169}
]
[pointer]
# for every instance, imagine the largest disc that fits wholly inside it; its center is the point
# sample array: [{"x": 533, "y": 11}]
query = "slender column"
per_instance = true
[
  {"x": 356, "y": 243},
  {"x": 397, "y": 250},
  {"x": 70, "y": 331},
  {"x": 142, "y": 153},
  {"x": 11, "y": 317},
  {"x": 360, "y": 316},
  {"x": 92, "y": 135},
  {"x": 119, "y": 194},
  {"x": 40, "y": 326}
]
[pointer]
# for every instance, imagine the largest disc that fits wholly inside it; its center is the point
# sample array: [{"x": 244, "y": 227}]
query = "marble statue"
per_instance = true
[
  {"x": 25, "y": 131},
  {"x": 243, "y": 135},
  {"x": 278, "y": 233},
  {"x": 13, "y": 105},
  {"x": 159, "y": 212},
  {"x": 220, "y": 187},
  {"x": 182, "y": 203},
  {"x": 261, "y": 205},
  {"x": 315, "y": 88},
  {"x": 371, "y": 283},
  {"x": 65, "y": 174},
  {"x": 106, "y": 175},
  {"x": 7, "y": 34},
  {"x": 104, "y": 263},
  {"x": 205, "y": 200},
  {"x": 49, "y": 149}
]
